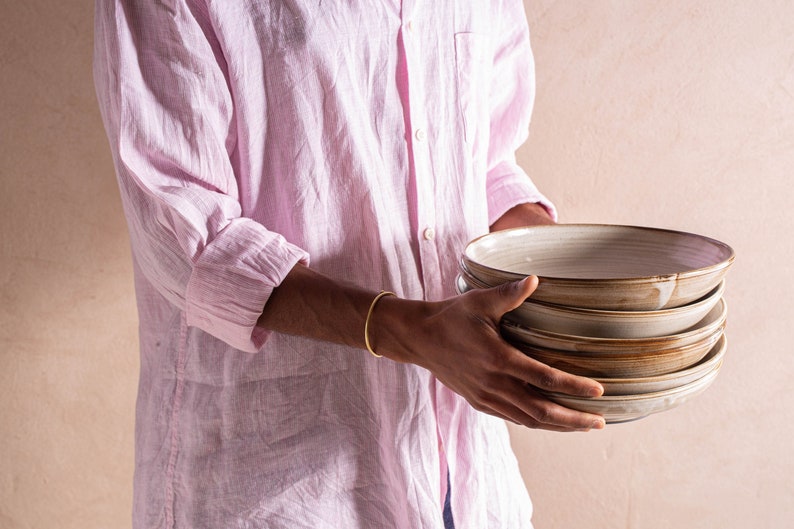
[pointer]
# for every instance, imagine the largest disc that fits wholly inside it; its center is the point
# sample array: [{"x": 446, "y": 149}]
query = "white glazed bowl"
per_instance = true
[
  {"x": 609, "y": 267},
  {"x": 622, "y": 408},
  {"x": 712, "y": 323}
]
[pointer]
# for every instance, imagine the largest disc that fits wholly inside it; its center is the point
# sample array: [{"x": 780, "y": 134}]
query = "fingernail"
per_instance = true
[
  {"x": 599, "y": 424},
  {"x": 596, "y": 391}
]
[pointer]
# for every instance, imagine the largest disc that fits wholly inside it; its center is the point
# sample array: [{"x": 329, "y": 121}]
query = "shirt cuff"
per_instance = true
[
  {"x": 510, "y": 187},
  {"x": 233, "y": 279}
]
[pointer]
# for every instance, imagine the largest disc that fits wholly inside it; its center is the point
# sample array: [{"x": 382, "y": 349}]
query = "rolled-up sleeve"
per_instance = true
[
  {"x": 169, "y": 116},
  {"x": 512, "y": 97}
]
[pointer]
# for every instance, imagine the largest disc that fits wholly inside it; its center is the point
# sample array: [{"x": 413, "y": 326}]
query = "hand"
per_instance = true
[{"x": 458, "y": 340}]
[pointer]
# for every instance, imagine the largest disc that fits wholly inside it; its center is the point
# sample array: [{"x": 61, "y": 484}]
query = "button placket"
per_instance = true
[{"x": 420, "y": 143}]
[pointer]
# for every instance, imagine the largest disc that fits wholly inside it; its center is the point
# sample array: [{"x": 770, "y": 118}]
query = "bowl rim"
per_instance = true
[{"x": 691, "y": 273}]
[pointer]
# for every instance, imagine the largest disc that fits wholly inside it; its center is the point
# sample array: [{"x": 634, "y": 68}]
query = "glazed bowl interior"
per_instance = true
[{"x": 602, "y": 266}]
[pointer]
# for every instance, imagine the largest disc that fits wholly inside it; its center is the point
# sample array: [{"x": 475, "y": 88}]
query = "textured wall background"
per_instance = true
[
  {"x": 68, "y": 326},
  {"x": 672, "y": 114}
]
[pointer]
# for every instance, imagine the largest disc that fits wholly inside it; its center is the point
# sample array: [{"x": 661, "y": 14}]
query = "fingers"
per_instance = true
[
  {"x": 512, "y": 392},
  {"x": 517, "y": 292},
  {"x": 548, "y": 414},
  {"x": 508, "y": 296},
  {"x": 494, "y": 376},
  {"x": 551, "y": 379},
  {"x": 523, "y": 405}
]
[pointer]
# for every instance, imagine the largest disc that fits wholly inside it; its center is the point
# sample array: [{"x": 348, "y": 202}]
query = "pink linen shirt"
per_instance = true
[{"x": 372, "y": 140}]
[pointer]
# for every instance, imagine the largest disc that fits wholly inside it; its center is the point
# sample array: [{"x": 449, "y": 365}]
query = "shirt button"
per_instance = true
[
  {"x": 429, "y": 234},
  {"x": 410, "y": 26},
  {"x": 420, "y": 135}
]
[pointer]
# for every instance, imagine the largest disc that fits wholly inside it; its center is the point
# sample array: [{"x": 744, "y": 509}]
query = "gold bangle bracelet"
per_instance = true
[{"x": 383, "y": 293}]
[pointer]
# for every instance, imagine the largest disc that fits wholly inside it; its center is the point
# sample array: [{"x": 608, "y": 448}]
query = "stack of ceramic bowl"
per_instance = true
[{"x": 639, "y": 309}]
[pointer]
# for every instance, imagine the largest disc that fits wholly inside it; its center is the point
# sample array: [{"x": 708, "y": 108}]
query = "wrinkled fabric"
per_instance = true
[{"x": 371, "y": 140}]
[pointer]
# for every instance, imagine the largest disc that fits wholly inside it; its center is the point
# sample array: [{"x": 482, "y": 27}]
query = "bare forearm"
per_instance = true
[
  {"x": 309, "y": 304},
  {"x": 457, "y": 340},
  {"x": 312, "y": 305}
]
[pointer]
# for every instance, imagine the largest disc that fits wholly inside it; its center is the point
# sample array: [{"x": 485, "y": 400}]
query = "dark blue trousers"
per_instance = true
[{"x": 448, "y": 522}]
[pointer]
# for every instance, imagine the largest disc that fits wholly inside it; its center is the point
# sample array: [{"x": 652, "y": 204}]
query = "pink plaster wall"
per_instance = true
[
  {"x": 674, "y": 114},
  {"x": 68, "y": 334}
]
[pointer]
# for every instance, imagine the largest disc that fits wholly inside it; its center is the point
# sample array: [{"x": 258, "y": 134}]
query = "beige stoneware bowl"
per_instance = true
[
  {"x": 622, "y": 408},
  {"x": 610, "y": 267},
  {"x": 711, "y": 324},
  {"x": 613, "y": 323},
  {"x": 610, "y": 323},
  {"x": 639, "y": 385},
  {"x": 623, "y": 364}
]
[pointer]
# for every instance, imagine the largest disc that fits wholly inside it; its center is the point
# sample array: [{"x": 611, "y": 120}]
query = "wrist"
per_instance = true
[
  {"x": 375, "y": 300},
  {"x": 393, "y": 326}
]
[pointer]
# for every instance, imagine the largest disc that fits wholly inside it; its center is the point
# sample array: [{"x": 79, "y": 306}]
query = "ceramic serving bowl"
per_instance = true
[
  {"x": 610, "y": 323},
  {"x": 622, "y": 408},
  {"x": 624, "y": 364},
  {"x": 651, "y": 384},
  {"x": 712, "y": 323},
  {"x": 610, "y": 267}
]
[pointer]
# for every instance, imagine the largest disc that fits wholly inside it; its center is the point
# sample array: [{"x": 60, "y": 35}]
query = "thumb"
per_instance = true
[{"x": 513, "y": 294}]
